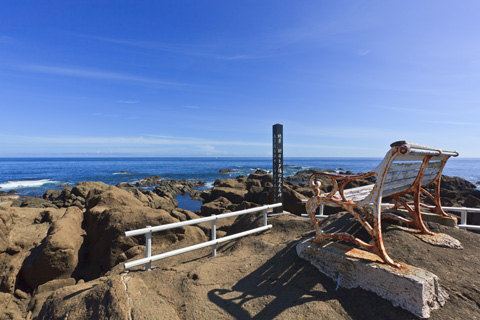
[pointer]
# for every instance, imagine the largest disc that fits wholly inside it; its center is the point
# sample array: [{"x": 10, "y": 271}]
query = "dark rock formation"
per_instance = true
[
  {"x": 7, "y": 193},
  {"x": 32, "y": 202}
]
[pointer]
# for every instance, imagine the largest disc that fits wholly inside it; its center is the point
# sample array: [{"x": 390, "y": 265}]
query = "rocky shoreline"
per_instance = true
[{"x": 74, "y": 238}]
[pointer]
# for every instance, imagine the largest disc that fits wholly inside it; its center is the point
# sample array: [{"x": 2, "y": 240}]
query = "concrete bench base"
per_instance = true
[{"x": 410, "y": 288}]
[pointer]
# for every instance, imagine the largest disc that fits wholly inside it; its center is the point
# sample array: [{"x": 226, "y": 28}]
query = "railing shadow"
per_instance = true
[{"x": 286, "y": 281}]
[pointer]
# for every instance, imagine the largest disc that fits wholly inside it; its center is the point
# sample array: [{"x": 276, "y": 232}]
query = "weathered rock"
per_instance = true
[
  {"x": 455, "y": 184},
  {"x": 225, "y": 171},
  {"x": 149, "y": 181},
  {"x": 32, "y": 202},
  {"x": 219, "y": 206},
  {"x": 6, "y": 220},
  {"x": 9, "y": 307},
  {"x": 21, "y": 295},
  {"x": 55, "y": 284},
  {"x": 57, "y": 256},
  {"x": 304, "y": 175},
  {"x": 292, "y": 201},
  {"x": 84, "y": 187},
  {"x": 232, "y": 194},
  {"x": 20, "y": 236},
  {"x": 111, "y": 213},
  {"x": 150, "y": 199},
  {"x": 174, "y": 187},
  {"x": 117, "y": 297},
  {"x": 230, "y": 183}
]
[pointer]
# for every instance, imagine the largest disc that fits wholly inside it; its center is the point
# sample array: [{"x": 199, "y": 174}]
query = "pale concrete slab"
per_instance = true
[{"x": 411, "y": 288}]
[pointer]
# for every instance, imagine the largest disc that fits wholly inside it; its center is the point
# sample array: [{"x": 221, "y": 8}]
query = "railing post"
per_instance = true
[
  {"x": 264, "y": 217},
  {"x": 148, "y": 249},
  {"x": 321, "y": 209},
  {"x": 214, "y": 236},
  {"x": 463, "y": 218}
]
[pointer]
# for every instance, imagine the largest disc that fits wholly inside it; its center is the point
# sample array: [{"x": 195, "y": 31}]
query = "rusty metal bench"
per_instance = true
[{"x": 406, "y": 169}]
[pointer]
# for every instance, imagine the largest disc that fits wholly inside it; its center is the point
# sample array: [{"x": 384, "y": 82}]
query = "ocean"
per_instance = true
[{"x": 33, "y": 176}]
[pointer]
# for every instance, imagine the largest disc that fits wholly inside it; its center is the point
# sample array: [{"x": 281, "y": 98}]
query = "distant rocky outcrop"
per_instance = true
[
  {"x": 242, "y": 192},
  {"x": 7, "y": 193}
]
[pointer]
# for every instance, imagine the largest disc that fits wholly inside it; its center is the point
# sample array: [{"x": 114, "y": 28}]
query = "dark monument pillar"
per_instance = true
[{"x": 278, "y": 166}]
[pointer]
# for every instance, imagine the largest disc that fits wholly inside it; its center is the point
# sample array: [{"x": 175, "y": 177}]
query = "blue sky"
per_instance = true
[{"x": 210, "y": 78}]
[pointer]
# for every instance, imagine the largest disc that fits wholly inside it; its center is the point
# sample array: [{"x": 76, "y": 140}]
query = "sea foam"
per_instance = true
[{"x": 20, "y": 184}]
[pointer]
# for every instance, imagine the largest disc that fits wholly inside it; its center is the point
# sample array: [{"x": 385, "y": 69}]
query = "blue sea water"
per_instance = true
[{"x": 33, "y": 176}]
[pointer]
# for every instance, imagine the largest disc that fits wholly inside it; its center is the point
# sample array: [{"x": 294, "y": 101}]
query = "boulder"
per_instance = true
[
  {"x": 32, "y": 202},
  {"x": 456, "y": 184},
  {"x": 84, "y": 187},
  {"x": 115, "y": 297},
  {"x": 150, "y": 199},
  {"x": 6, "y": 220},
  {"x": 174, "y": 187},
  {"x": 230, "y": 183},
  {"x": 20, "y": 234},
  {"x": 292, "y": 201},
  {"x": 57, "y": 256},
  {"x": 304, "y": 175},
  {"x": 109, "y": 214},
  {"x": 218, "y": 206},
  {"x": 232, "y": 194}
]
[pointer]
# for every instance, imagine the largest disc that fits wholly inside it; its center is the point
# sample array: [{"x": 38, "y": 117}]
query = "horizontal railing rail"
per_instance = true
[
  {"x": 463, "y": 214},
  {"x": 147, "y": 231}
]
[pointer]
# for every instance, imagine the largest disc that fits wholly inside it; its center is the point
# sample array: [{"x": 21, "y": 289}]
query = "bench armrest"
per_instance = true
[{"x": 335, "y": 178}]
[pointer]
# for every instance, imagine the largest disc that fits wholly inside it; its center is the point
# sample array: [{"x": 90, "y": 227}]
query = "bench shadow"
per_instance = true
[
  {"x": 285, "y": 281},
  {"x": 286, "y": 277}
]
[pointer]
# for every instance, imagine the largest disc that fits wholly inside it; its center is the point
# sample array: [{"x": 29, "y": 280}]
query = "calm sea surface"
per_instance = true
[{"x": 33, "y": 176}]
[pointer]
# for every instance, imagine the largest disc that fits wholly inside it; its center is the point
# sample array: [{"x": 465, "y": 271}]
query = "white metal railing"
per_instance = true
[
  {"x": 463, "y": 216},
  {"x": 320, "y": 210},
  {"x": 212, "y": 243}
]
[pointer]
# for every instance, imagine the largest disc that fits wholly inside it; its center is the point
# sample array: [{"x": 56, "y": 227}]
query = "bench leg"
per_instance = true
[
  {"x": 379, "y": 247},
  {"x": 376, "y": 232},
  {"x": 311, "y": 206},
  {"x": 436, "y": 200}
]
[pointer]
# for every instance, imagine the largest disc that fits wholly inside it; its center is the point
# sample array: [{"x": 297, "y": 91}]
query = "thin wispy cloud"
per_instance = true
[
  {"x": 129, "y": 101},
  {"x": 126, "y": 141},
  {"x": 210, "y": 51},
  {"x": 455, "y": 123},
  {"x": 191, "y": 107},
  {"x": 402, "y": 109},
  {"x": 96, "y": 74},
  {"x": 364, "y": 52},
  {"x": 99, "y": 114}
]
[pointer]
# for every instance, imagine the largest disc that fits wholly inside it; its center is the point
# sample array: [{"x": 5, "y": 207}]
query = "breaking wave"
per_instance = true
[{"x": 20, "y": 184}]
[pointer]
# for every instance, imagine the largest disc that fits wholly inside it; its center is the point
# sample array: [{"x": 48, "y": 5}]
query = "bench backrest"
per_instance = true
[{"x": 405, "y": 164}]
